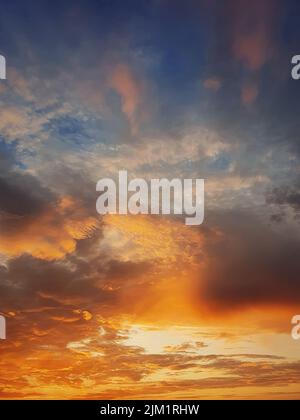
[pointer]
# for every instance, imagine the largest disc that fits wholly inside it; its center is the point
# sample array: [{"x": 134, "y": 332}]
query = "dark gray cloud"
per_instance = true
[
  {"x": 288, "y": 195},
  {"x": 21, "y": 193},
  {"x": 42, "y": 293},
  {"x": 250, "y": 264}
]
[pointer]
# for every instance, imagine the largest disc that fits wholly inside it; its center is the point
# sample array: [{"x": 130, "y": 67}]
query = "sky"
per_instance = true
[{"x": 145, "y": 307}]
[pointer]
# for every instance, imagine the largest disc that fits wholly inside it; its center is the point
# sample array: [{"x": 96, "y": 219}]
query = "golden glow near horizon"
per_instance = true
[{"x": 157, "y": 343}]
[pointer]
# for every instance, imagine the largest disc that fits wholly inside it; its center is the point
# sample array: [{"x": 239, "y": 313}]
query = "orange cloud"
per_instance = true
[
  {"x": 12, "y": 121},
  {"x": 213, "y": 84},
  {"x": 126, "y": 85},
  {"x": 148, "y": 342},
  {"x": 152, "y": 238},
  {"x": 97, "y": 360},
  {"x": 249, "y": 94},
  {"x": 19, "y": 84},
  {"x": 253, "y": 30},
  {"x": 50, "y": 235},
  {"x": 171, "y": 249}
]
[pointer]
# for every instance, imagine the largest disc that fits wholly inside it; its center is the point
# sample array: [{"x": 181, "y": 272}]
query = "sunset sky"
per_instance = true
[{"x": 145, "y": 307}]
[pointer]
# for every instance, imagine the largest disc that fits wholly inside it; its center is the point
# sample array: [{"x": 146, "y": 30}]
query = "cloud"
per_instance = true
[
  {"x": 249, "y": 265},
  {"x": 286, "y": 196},
  {"x": 73, "y": 286},
  {"x": 253, "y": 31},
  {"x": 248, "y": 47},
  {"x": 249, "y": 94},
  {"x": 12, "y": 122},
  {"x": 186, "y": 347},
  {"x": 50, "y": 234},
  {"x": 130, "y": 90},
  {"x": 213, "y": 84},
  {"x": 22, "y": 194},
  {"x": 19, "y": 84},
  {"x": 95, "y": 358}
]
